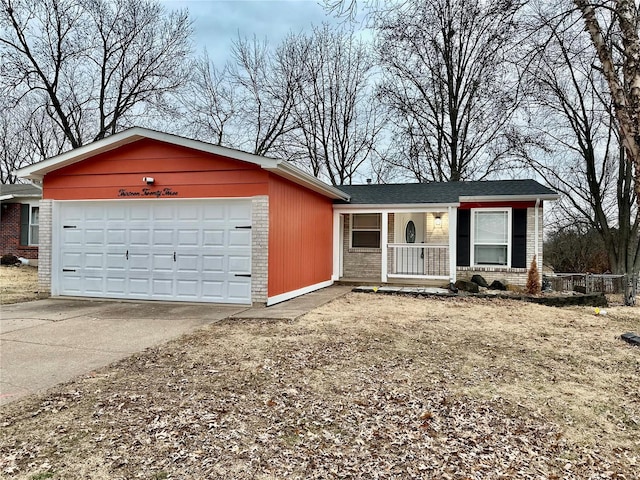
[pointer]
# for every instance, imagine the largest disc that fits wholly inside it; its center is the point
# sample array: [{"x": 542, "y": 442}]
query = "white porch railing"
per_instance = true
[{"x": 418, "y": 260}]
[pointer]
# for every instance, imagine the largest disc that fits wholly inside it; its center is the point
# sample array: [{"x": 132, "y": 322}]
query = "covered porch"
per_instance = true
[{"x": 409, "y": 245}]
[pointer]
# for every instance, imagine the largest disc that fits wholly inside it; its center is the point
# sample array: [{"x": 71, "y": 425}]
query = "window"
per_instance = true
[
  {"x": 29, "y": 224},
  {"x": 365, "y": 230},
  {"x": 34, "y": 226},
  {"x": 491, "y": 232}
]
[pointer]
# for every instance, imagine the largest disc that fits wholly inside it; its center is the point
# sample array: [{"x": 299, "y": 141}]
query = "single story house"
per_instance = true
[
  {"x": 19, "y": 216},
  {"x": 147, "y": 215}
]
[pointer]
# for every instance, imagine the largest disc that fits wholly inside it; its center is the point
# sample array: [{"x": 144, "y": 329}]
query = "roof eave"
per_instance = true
[
  {"x": 392, "y": 206},
  {"x": 288, "y": 171},
  {"x": 509, "y": 198}
]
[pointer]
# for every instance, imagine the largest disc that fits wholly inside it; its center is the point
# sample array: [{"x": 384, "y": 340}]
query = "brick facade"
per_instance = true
[
  {"x": 259, "y": 248},
  {"x": 365, "y": 263},
  {"x": 10, "y": 233},
  {"x": 44, "y": 260}
]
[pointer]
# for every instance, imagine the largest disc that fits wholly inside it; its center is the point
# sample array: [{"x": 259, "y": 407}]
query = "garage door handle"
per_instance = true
[
  {"x": 68, "y": 270},
  {"x": 243, "y": 275},
  {"x": 174, "y": 256},
  {"x": 126, "y": 255},
  {"x": 244, "y": 226}
]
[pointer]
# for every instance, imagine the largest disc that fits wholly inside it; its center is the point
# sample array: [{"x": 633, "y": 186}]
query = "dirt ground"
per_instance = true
[
  {"x": 18, "y": 284},
  {"x": 368, "y": 386}
]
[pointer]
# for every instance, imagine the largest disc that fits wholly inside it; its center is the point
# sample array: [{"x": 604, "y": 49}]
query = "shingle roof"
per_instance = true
[
  {"x": 440, "y": 192},
  {"x": 20, "y": 190}
]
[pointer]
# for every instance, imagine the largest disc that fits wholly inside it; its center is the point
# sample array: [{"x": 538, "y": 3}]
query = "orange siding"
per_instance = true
[
  {"x": 179, "y": 172},
  {"x": 300, "y": 237}
]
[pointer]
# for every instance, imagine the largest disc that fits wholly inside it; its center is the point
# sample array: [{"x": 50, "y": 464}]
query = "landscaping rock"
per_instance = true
[
  {"x": 498, "y": 285},
  {"x": 467, "y": 286},
  {"x": 479, "y": 279}
]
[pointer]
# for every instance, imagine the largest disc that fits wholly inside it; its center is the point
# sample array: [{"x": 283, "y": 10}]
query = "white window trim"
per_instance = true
[
  {"x": 364, "y": 230},
  {"x": 31, "y": 225},
  {"x": 472, "y": 246}
]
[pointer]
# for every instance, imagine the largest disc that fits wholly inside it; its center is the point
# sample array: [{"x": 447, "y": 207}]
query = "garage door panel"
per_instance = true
[
  {"x": 188, "y": 263},
  {"x": 140, "y": 237},
  {"x": 94, "y": 261},
  {"x": 213, "y": 238},
  {"x": 188, "y": 238},
  {"x": 239, "y": 264},
  {"x": 239, "y": 238},
  {"x": 72, "y": 260},
  {"x": 139, "y": 286},
  {"x": 115, "y": 237},
  {"x": 115, "y": 285},
  {"x": 94, "y": 237},
  {"x": 163, "y": 237},
  {"x": 72, "y": 237},
  {"x": 163, "y": 262},
  {"x": 94, "y": 284},
  {"x": 239, "y": 290},
  {"x": 169, "y": 250}
]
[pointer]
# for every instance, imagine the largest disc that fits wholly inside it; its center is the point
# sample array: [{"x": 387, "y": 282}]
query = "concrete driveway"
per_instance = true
[{"x": 47, "y": 342}]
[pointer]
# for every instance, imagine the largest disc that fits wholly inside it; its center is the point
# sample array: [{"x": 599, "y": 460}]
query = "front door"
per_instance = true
[{"x": 410, "y": 232}]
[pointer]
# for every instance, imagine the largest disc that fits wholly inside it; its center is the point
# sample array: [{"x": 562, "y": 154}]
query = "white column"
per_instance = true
[
  {"x": 384, "y": 239},
  {"x": 336, "y": 246},
  {"x": 453, "y": 235}
]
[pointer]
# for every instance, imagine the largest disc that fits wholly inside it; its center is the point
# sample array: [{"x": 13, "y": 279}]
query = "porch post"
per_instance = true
[
  {"x": 384, "y": 238},
  {"x": 453, "y": 235},
  {"x": 336, "y": 246}
]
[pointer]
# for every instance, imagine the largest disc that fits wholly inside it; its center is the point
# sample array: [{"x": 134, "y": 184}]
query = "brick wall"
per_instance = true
[
  {"x": 44, "y": 255},
  {"x": 10, "y": 233},
  {"x": 360, "y": 262},
  {"x": 259, "y": 248}
]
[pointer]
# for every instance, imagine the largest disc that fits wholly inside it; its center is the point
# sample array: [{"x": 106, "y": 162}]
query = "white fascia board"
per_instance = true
[
  {"x": 510, "y": 198},
  {"x": 393, "y": 208},
  {"x": 5, "y": 197},
  {"x": 286, "y": 170}
]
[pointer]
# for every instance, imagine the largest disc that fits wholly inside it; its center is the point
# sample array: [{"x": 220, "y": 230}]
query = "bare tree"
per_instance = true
[
  {"x": 211, "y": 103},
  {"x": 97, "y": 63},
  {"x": 581, "y": 153},
  {"x": 27, "y": 135},
  {"x": 448, "y": 85},
  {"x": 266, "y": 83},
  {"x": 613, "y": 27},
  {"x": 336, "y": 119}
]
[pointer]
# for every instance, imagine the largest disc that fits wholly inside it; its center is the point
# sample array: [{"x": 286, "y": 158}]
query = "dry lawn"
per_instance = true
[
  {"x": 18, "y": 284},
  {"x": 368, "y": 386}
]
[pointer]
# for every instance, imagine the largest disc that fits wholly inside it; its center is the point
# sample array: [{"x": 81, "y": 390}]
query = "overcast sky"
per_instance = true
[{"x": 218, "y": 22}]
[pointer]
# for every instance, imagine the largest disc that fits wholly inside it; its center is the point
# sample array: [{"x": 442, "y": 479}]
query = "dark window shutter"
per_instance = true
[
  {"x": 24, "y": 224},
  {"x": 463, "y": 249},
  {"x": 519, "y": 238}
]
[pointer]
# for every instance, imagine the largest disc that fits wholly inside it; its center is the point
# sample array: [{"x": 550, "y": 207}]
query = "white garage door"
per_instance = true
[{"x": 187, "y": 250}]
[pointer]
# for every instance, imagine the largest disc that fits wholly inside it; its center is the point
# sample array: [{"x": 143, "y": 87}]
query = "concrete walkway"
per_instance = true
[
  {"x": 296, "y": 307},
  {"x": 47, "y": 342}
]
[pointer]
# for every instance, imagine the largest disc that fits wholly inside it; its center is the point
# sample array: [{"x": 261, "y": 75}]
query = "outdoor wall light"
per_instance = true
[
  {"x": 148, "y": 180},
  {"x": 438, "y": 221}
]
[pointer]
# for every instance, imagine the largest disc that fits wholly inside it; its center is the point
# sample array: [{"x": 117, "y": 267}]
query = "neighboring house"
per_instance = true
[
  {"x": 19, "y": 213},
  {"x": 148, "y": 215}
]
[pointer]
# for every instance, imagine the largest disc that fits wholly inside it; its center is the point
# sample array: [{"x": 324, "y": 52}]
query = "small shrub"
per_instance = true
[
  {"x": 8, "y": 259},
  {"x": 533, "y": 278}
]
